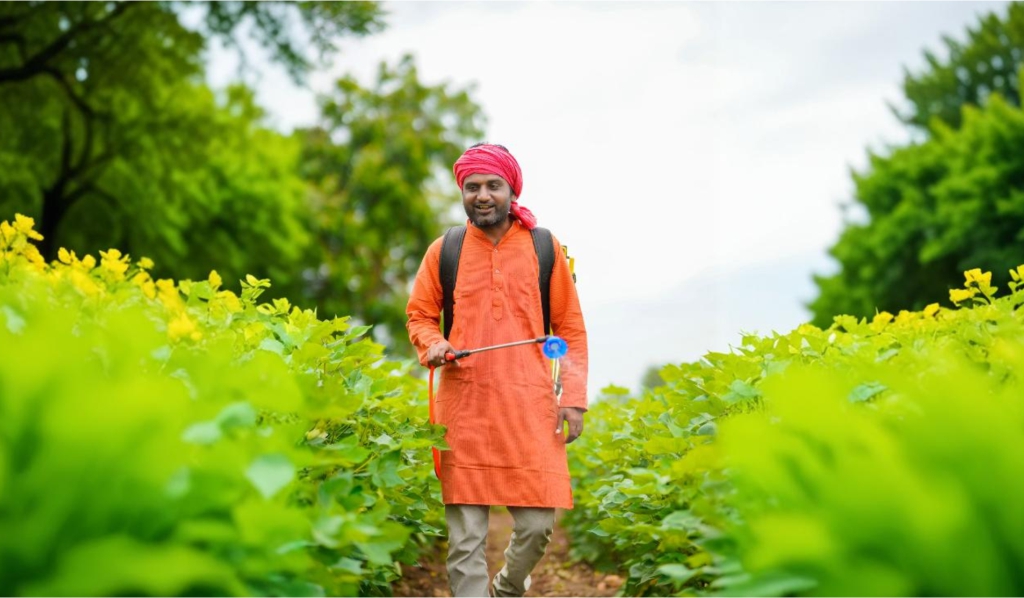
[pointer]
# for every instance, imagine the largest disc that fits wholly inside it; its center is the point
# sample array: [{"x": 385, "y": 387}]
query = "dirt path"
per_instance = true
[{"x": 554, "y": 575}]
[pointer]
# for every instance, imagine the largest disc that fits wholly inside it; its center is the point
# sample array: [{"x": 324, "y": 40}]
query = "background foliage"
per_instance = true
[
  {"x": 951, "y": 199},
  {"x": 112, "y": 139}
]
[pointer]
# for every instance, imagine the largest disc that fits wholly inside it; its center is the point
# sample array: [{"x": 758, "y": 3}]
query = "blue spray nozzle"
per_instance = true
[{"x": 555, "y": 347}]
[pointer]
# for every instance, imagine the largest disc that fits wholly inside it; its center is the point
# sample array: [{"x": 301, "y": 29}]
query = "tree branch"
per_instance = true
[
  {"x": 14, "y": 19},
  {"x": 66, "y": 147},
  {"x": 36, "y": 64},
  {"x": 70, "y": 91}
]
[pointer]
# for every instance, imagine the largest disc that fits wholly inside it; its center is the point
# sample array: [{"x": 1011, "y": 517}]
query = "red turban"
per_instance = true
[{"x": 493, "y": 159}]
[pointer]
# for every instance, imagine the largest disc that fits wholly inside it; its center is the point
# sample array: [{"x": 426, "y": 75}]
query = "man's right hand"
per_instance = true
[{"x": 435, "y": 354}]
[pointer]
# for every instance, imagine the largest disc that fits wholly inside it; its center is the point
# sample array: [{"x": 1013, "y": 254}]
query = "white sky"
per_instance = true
[{"x": 692, "y": 156}]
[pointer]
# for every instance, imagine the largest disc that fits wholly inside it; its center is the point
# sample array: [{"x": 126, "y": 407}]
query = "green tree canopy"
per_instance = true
[
  {"x": 937, "y": 208},
  {"x": 652, "y": 377},
  {"x": 948, "y": 202},
  {"x": 986, "y": 63},
  {"x": 112, "y": 139},
  {"x": 372, "y": 164}
]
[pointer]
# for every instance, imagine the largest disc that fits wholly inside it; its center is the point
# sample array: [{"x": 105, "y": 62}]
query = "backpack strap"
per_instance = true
[
  {"x": 451, "y": 249},
  {"x": 544, "y": 246}
]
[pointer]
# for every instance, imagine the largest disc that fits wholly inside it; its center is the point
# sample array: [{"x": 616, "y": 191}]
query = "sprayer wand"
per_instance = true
[{"x": 554, "y": 347}]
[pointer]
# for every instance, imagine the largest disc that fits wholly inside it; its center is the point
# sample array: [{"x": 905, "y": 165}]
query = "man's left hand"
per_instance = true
[{"x": 574, "y": 417}]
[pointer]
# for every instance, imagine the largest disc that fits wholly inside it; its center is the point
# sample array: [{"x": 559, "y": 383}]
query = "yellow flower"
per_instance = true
[
  {"x": 64, "y": 256},
  {"x": 168, "y": 294},
  {"x": 904, "y": 316},
  {"x": 114, "y": 263},
  {"x": 976, "y": 275},
  {"x": 931, "y": 309},
  {"x": 257, "y": 282},
  {"x": 181, "y": 327},
  {"x": 215, "y": 280},
  {"x": 230, "y": 301},
  {"x": 26, "y": 226},
  {"x": 35, "y": 258},
  {"x": 146, "y": 263},
  {"x": 84, "y": 283},
  {"x": 88, "y": 262},
  {"x": 144, "y": 282},
  {"x": 958, "y": 295},
  {"x": 7, "y": 233},
  {"x": 882, "y": 318}
]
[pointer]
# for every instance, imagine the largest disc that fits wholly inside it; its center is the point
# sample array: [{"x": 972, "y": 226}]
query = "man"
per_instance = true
[{"x": 504, "y": 422}]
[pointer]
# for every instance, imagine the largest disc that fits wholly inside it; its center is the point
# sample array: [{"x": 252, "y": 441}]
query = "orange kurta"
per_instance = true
[{"x": 499, "y": 406}]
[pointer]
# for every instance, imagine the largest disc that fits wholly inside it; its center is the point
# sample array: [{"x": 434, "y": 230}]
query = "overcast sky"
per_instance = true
[{"x": 692, "y": 156}]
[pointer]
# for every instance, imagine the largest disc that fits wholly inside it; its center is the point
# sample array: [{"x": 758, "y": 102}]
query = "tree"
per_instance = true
[
  {"x": 111, "y": 138},
  {"x": 652, "y": 378},
  {"x": 937, "y": 208},
  {"x": 986, "y": 64},
  {"x": 950, "y": 201},
  {"x": 374, "y": 164}
]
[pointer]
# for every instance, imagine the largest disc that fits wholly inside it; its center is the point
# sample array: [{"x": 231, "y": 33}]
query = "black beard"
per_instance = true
[{"x": 495, "y": 219}]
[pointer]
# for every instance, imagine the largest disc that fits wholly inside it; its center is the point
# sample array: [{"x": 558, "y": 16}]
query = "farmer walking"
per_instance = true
[{"x": 504, "y": 420}]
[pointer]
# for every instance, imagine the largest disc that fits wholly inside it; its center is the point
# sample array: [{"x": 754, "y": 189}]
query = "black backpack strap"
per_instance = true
[
  {"x": 544, "y": 246},
  {"x": 451, "y": 249}
]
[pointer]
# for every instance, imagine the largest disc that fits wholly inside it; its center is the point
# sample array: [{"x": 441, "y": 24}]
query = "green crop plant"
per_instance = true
[
  {"x": 167, "y": 438},
  {"x": 881, "y": 457}
]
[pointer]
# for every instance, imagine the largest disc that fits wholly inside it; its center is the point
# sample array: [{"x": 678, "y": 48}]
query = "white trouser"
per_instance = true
[{"x": 467, "y": 543}]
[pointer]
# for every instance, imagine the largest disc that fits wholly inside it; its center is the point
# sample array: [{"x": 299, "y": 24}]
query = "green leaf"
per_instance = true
[
  {"x": 237, "y": 415},
  {"x": 270, "y": 473},
  {"x": 348, "y": 449},
  {"x": 385, "y": 471},
  {"x": 677, "y": 572},
  {"x": 15, "y": 323},
  {"x": 390, "y": 538},
  {"x": 119, "y": 565},
  {"x": 201, "y": 290},
  {"x": 202, "y": 433},
  {"x": 740, "y": 391},
  {"x": 273, "y": 345},
  {"x": 864, "y": 392},
  {"x": 769, "y": 584},
  {"x": 349, "y": 565},
  {"x": 681, "y": 520}
]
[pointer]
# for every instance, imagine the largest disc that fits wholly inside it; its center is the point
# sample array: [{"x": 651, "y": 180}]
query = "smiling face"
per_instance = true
[{"x": 487, "y": 199}]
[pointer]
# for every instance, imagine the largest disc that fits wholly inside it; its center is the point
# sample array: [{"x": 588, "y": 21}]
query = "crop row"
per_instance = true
[
  {"x": 165, "y": 438},
  {"x": 881, "y": 457}
]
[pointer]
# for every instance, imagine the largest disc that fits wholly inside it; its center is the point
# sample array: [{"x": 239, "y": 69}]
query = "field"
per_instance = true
[{"x": 181, "y": 437}]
